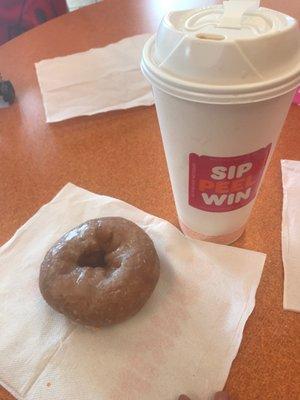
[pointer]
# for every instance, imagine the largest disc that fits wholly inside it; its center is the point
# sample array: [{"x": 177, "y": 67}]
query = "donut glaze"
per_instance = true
[{"x": 101, "y": 272}]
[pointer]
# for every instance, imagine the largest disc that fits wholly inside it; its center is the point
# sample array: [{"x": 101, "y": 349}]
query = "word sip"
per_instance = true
[
  {"x": 229, "y": 182},
  {"x": 231, "y": 172}
]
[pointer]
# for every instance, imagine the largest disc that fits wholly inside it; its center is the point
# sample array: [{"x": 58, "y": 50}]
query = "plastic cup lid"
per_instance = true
[{"x": 235, "y": 52}]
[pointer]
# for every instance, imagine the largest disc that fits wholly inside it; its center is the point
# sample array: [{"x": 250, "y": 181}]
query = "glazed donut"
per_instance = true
[{"x": 101, "y": 272}]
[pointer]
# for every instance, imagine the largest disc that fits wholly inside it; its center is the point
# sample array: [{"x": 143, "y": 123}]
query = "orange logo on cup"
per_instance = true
[{"x": 221, "y": 184}]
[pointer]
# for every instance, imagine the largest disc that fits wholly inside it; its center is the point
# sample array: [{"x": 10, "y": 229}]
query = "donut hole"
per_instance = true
[{"x": 95, "y": 259}]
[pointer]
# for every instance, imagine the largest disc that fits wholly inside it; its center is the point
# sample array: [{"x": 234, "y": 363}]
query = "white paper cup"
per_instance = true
[
  {"x": 247, "y": 131},
  {"x": 222, "y": 96}
]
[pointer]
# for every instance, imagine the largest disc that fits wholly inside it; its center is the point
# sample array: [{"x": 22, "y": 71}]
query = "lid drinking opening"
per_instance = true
[{"x": 210, "y": 36}]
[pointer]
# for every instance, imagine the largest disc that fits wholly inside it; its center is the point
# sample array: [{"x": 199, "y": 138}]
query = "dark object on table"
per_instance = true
[{"x": 7, "y": 91}]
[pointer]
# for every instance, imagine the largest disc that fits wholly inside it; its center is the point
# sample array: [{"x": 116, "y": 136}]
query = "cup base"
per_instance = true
[{"x": 220, "y": 239}]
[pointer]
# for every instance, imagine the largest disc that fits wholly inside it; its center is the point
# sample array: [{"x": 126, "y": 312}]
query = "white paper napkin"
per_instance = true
[
  {"x": 183, "y": 340},
  {"x": 94, "y": 81},
  {"x": 76, "y": 4},
  {"x": 291, "y": 234}
]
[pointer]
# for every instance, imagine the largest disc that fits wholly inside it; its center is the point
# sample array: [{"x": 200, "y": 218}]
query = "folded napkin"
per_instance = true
[
  {"x": 183, "y": 340},
  {"x": 76, "y": 4},
  {"x": 94, "y": 81},
  {"x": 291, "y": 234}
]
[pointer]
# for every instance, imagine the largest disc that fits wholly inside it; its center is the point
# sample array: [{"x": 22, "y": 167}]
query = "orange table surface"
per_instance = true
[{"x": 120, "y": 154}]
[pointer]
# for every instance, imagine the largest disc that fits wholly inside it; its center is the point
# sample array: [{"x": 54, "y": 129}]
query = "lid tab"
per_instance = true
[{"x": 234, "y": 11}]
